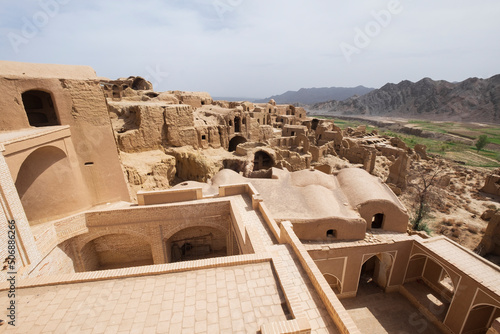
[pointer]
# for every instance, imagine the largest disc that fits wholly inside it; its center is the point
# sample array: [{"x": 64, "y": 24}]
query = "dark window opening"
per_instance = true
[
  {"x": 152, "y": 94},
  {"x": 293, "y": 133},
  {"x": 203, "y": 137},
  {"x": 140, "y": 84},
  {"x": 237, "y": 122},
  {"x": 314, "y": 124},
  {"x": 39, "y": 108},
  {"x": 116, "y": 92},
  {"x": 331, "y": 233},
  {"x": 377, "y": 220},
  {"x": 202, "y": 103}
]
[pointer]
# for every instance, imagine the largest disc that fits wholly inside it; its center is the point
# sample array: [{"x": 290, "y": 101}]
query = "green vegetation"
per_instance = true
[
  {"x": 481, "y": 142},
  {"x": 453, "y": 150},
  {"x": 464, "y": 130},
  {"x": 343, "y": 124},
  {"x": 423, "y": 184},
  {"x": 458, "y": 150}
]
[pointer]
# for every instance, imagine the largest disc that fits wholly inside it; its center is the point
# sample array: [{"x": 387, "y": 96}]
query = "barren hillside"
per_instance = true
[{"x": 470, "y": 100}]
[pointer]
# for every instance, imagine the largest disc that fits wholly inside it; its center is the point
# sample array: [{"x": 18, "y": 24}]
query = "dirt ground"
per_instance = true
[{"x": 454, "y": 201}]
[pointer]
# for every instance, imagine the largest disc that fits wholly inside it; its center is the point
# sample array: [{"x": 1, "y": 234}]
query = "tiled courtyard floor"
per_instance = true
[{"x": 236, "y": 299}]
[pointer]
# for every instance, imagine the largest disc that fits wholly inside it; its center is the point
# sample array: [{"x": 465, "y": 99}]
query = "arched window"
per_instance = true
[{"x": 39, "y": 108}]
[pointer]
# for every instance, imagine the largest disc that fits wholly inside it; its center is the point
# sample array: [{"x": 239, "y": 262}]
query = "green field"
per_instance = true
[{"x": 469, "y": 131}]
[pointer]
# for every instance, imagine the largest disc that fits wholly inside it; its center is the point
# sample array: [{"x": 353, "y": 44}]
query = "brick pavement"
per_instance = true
[{"x": 236, "y": 299}]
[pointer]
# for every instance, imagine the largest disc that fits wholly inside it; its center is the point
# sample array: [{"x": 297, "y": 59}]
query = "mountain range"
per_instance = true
[
  {"x": 315, "y": 95},
  {"x": 474, "y": 99}
]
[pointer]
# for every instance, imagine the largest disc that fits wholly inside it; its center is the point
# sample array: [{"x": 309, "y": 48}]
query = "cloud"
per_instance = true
[{"x": 259, "y": 48}]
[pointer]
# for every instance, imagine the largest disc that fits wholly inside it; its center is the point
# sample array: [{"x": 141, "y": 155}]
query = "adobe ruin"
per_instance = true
[{"x": 233, "y": 230}]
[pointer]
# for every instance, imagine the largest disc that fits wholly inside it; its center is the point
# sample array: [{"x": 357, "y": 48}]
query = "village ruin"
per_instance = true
[{"x": 169, "y": 212}]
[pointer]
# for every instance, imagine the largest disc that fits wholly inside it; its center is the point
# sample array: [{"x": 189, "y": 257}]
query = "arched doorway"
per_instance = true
[
  {"x": 262, "y": 160},
  {"x": 375, "y": 272},
  {"x": 39, "y": 108},
  {"x": 47, "y": 185},
  {"x": 195, "y": 243},
  {"x": 480, "y": 319},
  {"x": 235, "y": 141},
  {"x": 113, "y": 251}
]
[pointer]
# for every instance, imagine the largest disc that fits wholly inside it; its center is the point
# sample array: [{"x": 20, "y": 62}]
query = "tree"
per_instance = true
[
  {"x": 422, "y": 184},
  {"x": 481, "y": 142}
]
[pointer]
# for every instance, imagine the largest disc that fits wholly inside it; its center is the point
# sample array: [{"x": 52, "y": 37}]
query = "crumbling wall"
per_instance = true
[
  {"x": 193, "y": 165},
  {"x": 490, "y": 244},
  {"x": 293, "y": 161},
  {"x": 492, "y": 183},
  {"x": 179, "y": 125},
  {"x": 149, "y": 170},
  {"x": 138, "y": 127},
  {"x": 194, "y": 99}
]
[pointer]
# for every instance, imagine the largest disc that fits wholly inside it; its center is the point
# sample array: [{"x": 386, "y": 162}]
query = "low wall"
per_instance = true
[
  {"x": 333, "y": 305},
  {"x": 168, "y": 196}
]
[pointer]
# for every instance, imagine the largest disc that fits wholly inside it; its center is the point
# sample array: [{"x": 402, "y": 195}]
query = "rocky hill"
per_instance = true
[
  {"x": 474, "y": 99},
  {"x": 316, "y": 95}
]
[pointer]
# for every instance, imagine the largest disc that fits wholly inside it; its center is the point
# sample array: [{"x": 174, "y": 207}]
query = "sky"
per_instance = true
[{"x": 257, "y": 48}]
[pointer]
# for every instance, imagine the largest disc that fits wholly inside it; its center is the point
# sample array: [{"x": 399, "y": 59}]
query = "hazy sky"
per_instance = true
[{"x": 256, "y": 48}]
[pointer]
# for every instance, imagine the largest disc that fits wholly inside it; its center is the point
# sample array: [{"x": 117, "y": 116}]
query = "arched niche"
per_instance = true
[{"x": 262, "y": 160}]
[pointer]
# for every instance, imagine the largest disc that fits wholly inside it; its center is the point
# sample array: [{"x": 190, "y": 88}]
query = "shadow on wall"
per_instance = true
[
  {"x": 44, "y": 176},
  {"x": 114, "y": 251}
]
